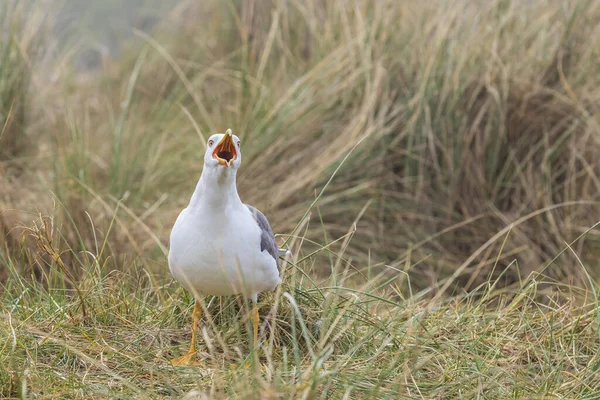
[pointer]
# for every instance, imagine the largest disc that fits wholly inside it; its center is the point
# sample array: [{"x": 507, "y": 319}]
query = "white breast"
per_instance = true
[{"x": 220, "y": 254}]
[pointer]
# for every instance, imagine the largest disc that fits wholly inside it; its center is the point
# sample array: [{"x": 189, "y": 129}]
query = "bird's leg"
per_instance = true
[
  {"x": 195, "y": 320},
  {"x": 255, "y": 321},
  {"x": 187, "y": 358}
]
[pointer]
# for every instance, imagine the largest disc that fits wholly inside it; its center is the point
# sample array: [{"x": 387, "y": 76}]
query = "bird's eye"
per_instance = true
[
  {"x": 238, "y": 143},
  {"x": 210, "y": 143}
]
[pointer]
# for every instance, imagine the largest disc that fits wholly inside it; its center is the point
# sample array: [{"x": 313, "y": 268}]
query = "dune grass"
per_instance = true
[
  {"x": 433, "y": 168},
  {"x": 340, "y": 336}
]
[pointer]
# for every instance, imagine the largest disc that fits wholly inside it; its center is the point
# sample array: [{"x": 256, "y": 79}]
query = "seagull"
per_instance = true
[{"x": 220, "y": 246}]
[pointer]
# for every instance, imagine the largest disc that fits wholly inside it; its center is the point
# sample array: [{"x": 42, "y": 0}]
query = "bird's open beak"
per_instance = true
[{"x": 225, "y": 151}]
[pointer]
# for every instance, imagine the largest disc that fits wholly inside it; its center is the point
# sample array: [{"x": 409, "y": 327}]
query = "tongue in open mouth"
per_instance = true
[{"x": 225, "y": 155}]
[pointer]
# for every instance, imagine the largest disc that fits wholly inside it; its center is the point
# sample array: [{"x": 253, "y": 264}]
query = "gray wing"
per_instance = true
[{"x": 267, "y": 239}]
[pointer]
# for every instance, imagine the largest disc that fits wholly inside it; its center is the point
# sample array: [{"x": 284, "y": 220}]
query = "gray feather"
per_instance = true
[{"x": 267, "y": 239}]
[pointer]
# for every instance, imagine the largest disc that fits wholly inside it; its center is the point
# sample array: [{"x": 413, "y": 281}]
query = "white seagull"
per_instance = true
[{"x": 219, "y": 245}]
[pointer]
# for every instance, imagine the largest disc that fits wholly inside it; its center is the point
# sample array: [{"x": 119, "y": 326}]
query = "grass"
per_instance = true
[
  {"x": 434, "y": 169},
  {"x": 14, "y": 75},
  {"x": 328, "y": 338}
]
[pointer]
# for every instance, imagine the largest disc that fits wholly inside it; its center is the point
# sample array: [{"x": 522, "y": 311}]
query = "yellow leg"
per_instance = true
[
  {"x": 254, "y": 318},
  {"x": 255, "y": 321},
  {"x": 187, "y": 359}
]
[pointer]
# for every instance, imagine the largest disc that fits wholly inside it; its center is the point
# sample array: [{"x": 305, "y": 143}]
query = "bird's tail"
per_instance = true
[{"x": 284, "y": 252}]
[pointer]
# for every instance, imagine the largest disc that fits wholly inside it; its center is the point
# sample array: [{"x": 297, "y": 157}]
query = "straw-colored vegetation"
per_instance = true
[{"x": 433, "y": 166}]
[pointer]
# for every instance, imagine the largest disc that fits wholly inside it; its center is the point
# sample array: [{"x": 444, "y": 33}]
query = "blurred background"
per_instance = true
[{"x": 451, "y": 137}]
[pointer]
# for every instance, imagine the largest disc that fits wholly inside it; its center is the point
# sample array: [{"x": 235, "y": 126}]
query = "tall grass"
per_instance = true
[
  {"x": 14, "y": 80},
  {"x": 453, "y": 150},
  {"x": 473, "y": 117},
  {"x": 21, "y": 47}
]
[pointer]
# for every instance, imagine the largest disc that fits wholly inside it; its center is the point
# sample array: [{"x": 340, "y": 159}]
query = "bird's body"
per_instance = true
[
  {"x": 219, "y": 253},
  {"x": 220, "y": 246}
]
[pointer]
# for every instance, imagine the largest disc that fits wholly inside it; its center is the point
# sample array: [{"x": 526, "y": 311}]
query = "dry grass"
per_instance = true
[{"x": 453, "y": 149}]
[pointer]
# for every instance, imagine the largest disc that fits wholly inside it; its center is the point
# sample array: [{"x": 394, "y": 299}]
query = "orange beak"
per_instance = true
[{"x": 225, "y": 151}]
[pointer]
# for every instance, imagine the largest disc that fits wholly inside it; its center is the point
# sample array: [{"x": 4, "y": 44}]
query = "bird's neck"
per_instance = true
[{"x": 215, "y": 189}]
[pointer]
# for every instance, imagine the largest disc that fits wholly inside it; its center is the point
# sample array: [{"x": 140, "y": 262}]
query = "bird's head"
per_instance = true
[{"x": 223, "y": 151}]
